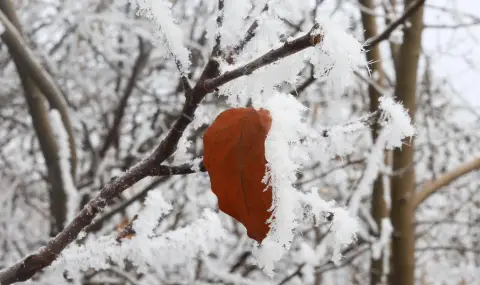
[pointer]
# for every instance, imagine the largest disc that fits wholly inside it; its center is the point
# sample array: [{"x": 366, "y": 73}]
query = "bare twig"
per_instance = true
[
  {"x": 140, "y": 63},
  {"x": 393, "y": 25},
  {"x": 241, "y": 261},
  {"x": 218, "y": 37},
  {"x": 186, "y": 168},
  {"x": 297, "y": 272}
]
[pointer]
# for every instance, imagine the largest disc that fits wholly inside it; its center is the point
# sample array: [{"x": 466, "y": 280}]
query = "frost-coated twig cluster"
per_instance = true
[
  {"x": 159, "y": 11},
  {"x": 284, "y": 143},
  {"x": 320, "y": 162},
  {"x": 167, "y": 251}
]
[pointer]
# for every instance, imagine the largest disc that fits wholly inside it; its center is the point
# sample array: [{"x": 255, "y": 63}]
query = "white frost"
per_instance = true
[
  {"x": 344, "y": 226},
  {"x": 286, "y": 128},
  {"x": 233, "y": 28},
  {"x": 396, "y": 37},
  {"x": 338, "y": 55},
  {"x": 396, "y": 126},
  {"x": 65, "y": 167},
  {"x": 166, "y": 251},
  {"x": 290, "y": 206},
  {"x": 384, "y": 239},
  {"x": 159, "y": 11},
  {"x": 399, "y": 125}
]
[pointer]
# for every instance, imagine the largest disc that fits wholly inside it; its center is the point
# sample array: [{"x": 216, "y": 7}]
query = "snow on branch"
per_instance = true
[
  {"x": 335, "y": 59},
  {"x": 343, "y": 226},
  {"x": 338, "y": 57},
  {"x": 64, "y": 156},
  {"x": 146, "y": 248},
  {"x": 289, "y": 141},
  {"x": 289, "y": 138},
  {"x": 396, "y": 126},
  {"x": 160, "y": 12},
  {"x": 283, "y": 146}
]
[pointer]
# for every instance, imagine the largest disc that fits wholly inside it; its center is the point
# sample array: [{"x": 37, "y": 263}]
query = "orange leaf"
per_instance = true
[
  {"x": 234, "y": 156},
  {"x": 125, "y": 230}
]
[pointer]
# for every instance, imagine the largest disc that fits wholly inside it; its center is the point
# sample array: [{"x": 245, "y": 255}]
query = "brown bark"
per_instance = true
[
  {"x": 393, "y": 46},
  {"x": 378, "y": 205},
  {"x": 403, "y": 185},
  {"x": 433, "y": 186}
]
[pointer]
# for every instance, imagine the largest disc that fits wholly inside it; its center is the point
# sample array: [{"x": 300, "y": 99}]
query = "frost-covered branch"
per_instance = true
[
  {"x": 397, "y": 126},
  {"x": 248, "y": 37},
  {"x": 310, "y": 39},
  {"x": 146, "y": 248},
  {"x": 26, "y": 268},
  {"x": 69, "y": 188},
  {"x": 159, "y": 11},
  {"x": 97, "y": 223}
]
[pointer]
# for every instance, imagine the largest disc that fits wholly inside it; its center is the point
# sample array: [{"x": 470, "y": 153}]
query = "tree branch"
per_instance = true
[
  {"x": 445, "y": 179},
  {"x": 97, "y": 224},
  {"x": 26, "y": 268},
  {"x": 378, "y": 205},
  {"x": 113, "y": 133},
  {"x": 248, "y": 37},
  {"x": 393, "y": 25},
  {"x": 297, "y": 272},
  {"x": 218, "y": 37},
  {"x": 186, "y": 168},
  {"x": 287, "y": 49},
  {"x": 38, "y": 112}
]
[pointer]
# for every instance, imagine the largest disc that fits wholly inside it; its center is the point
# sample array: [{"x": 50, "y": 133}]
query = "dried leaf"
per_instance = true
[
  {"x": 125, "y": 230},
  {"x": 234, "y": 156}
]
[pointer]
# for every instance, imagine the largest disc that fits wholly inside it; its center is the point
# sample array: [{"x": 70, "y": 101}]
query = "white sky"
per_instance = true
[{"x": 457, "y": 51}]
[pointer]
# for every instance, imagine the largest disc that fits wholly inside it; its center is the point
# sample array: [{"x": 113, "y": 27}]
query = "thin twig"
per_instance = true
[
  {"x": 217, "y": 48},
  {"x": 393, "y": 25},
  {"x": 248, "y": 37},
  {"x": 287, "y": 49},
  {"x": 140, "y": 63},
  {"x": 184, "y": 79},
  {"x": 297, "y": 272}
]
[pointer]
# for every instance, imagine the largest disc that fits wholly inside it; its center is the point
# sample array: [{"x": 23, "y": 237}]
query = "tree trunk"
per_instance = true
[
  {"x": 403, "y": 184},
  {"x": 378, "y": 205},
  {"x": 40, "y": 120}
]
